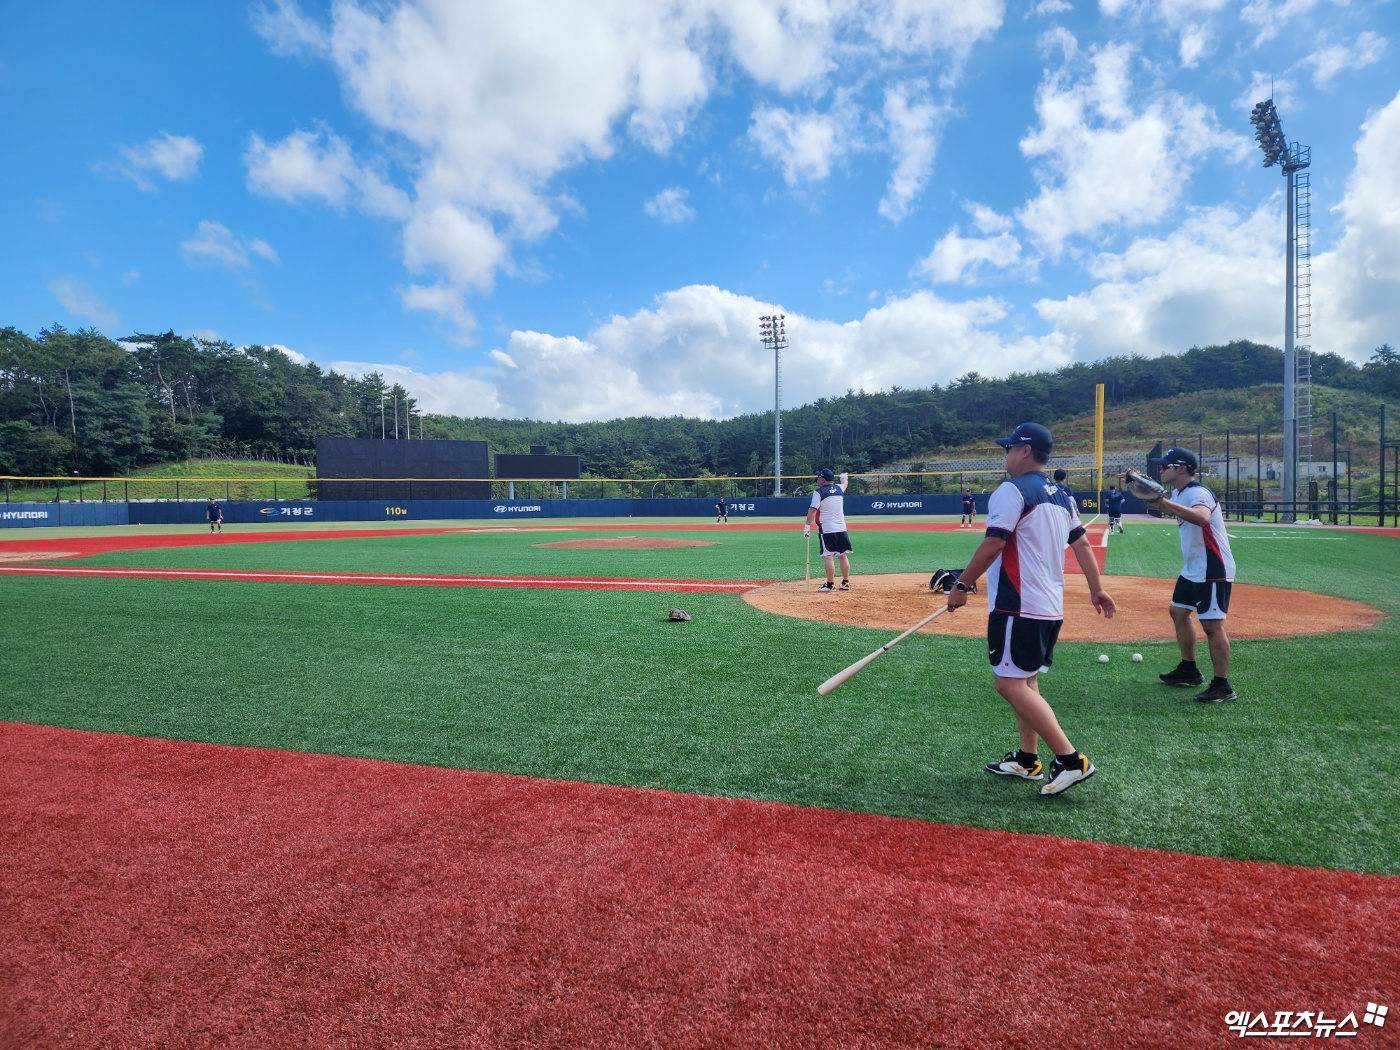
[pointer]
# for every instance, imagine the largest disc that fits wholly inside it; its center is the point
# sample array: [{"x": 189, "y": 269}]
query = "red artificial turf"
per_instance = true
[
  {"x": 157, "y": 893},
  {"x": 592, "y": 583},
  {"x": 105, "y": 543}
]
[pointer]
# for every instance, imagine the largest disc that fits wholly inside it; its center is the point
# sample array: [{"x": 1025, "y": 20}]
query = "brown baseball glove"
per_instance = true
[{"x": 1143, "y": 487}]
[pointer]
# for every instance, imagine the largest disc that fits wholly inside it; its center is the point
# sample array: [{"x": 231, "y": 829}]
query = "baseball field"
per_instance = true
[{"x": 459, "y": 786}]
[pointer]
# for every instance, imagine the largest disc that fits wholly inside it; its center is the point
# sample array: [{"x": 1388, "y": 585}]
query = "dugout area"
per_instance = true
[{"x": 547, "y": 814}]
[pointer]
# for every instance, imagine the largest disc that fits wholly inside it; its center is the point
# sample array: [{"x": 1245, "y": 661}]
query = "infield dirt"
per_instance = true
[{"x": 895, "y": 601}]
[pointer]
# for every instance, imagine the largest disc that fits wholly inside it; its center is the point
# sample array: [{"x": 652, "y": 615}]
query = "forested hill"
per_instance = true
[{"x": 78, "y": 401}]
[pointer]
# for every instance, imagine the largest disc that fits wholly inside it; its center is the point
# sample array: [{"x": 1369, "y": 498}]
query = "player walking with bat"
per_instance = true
[{"x": 1029, "y": 522}]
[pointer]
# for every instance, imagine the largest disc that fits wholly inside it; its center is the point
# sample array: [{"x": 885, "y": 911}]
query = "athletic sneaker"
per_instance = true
[
  {"x": 829, "y": 586},
  {"x": 1065, "y": 776},
  {"x": 1218, "y": 692},
  {"x": 1183, "y": 675},
  {"x": 845, "y": 585},
  {"x": 1010, "y": 766}
]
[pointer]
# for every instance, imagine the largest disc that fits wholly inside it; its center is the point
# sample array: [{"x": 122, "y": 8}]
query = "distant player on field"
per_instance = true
[
  {"x": 969, "y": 510},
  {"x": 1207, "y": 572},
  {"x": 721, "y": 511},
  {"x": 828, "y": 512},
  {"x": 1062, "y": 482},
  {"x": 1114, "y": 499},
  {"x": 214, "y": 514},
  {"x": 1030, "y": 520}
]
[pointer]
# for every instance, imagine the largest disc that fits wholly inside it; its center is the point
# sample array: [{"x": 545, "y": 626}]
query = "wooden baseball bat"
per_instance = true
[{"x": 842, "y": 676}]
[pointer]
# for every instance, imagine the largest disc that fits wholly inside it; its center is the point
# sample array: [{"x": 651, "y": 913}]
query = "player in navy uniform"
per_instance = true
[
  {"x": 828, "y": 512},
  {"x": 721, "y": 511},
  {"x": 1114, "y": 499},
  {"x": 215, "y": 515},
  {"x": 969, "y": 509},
  {"x": 1029, "y": 523},
  {"x": 1208, "y": 569},
  {"x": 1062, "y": 483}
]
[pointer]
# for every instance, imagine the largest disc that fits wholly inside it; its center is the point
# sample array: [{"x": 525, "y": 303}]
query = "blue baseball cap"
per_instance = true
[
  {"x": 1177, "y": 457},
  {"x": 826, "y": 475},
  {"x": 1032, "y": 434}
]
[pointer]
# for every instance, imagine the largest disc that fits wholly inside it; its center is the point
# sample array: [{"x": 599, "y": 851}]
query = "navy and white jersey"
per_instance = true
[
  {"x": 1205, "y": 552},
  {"x": 830, "y": 503},
  {"x": 968, "y": 505},
  {"x": 1036, "y": 519},
  {"x": 1115, "y": 504},
  {"x": 212, "y": 511}
]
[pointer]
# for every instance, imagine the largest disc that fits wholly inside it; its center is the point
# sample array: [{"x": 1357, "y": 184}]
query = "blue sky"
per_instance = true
[{"x": 566, "y": 210}]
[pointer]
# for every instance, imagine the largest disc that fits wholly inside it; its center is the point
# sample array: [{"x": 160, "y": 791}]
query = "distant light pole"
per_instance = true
[
  {"x": 774, "y": 336},
  {"x": 382, "y": 432},
  {"x": 1292, "y": 158},
  {"x": 396, "y": 413}
]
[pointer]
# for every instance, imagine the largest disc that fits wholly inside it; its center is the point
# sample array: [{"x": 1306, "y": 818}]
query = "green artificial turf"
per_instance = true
[
  {"x": 735, "y": 555},
  {"x": 599, "y": 686}
]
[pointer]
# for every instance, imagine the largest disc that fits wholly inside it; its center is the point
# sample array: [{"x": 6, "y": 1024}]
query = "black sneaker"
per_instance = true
[
  {"x": 845, "y": 585},
  {"x": 829, "y": 586},
  {"x": 1183, "y": 675},
  {"x": 1218, "y": 692},
  {"x": 1010, "y": 766},
  {"x": 1064, "y": 776}
]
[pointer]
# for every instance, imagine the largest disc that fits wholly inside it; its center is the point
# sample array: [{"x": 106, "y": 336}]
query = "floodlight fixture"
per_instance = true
[
  {"x": 772, "y": 332},
  {"x": 1291, "y": 158}
]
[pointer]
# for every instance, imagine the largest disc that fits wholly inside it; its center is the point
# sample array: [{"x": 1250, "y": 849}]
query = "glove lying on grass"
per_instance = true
[{"x": 679, "y": 615}]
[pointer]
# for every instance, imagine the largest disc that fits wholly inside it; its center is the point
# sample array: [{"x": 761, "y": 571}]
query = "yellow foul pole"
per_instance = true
[{"x": 1098, "y": 438}]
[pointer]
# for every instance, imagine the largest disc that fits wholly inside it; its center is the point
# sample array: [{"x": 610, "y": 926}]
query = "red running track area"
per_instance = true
[
  {"x": 106, "y": 542},
  {"x": 386, "y": 579},
  {"x": 156, "y": 893}
]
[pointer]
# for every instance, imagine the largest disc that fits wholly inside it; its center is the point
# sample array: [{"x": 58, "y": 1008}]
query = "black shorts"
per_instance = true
[
  {"x": 1018, "y": 646},
  {"x": 1210, "y": 600},
  {"x": 834, "y": 543}
]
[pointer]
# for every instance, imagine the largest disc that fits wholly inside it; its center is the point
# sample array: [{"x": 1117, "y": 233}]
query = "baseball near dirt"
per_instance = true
[
  {"x": 1103, "y": 658},
  {"x": 1137, "y": 658}
]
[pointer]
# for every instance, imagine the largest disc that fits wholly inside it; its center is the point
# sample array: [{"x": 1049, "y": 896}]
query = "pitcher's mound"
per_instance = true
[
  {"x": 8, "y": 556},
  {"x": 630, "y": 543},
  {"x": 895, "y": 602}
]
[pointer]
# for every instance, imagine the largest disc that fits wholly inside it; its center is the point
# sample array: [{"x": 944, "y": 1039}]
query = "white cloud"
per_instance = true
[
  {"x": 214, "y": 244},
  {"x": 287, "y": 30},
  {"x": 1357, "y": 284},
  {"x": 487, "y": 103},
  {"x": 447, "y": 303},
  {"x": 172, "y": 157},
  {"x": 78, "y": 299},
  {"x": 670, "y": 206},
  {"x": 307, "y": 166},
  {"x": 805, "y": 145},
  {"x": 988, "y": 220},
  {"x": 1106, "y": 164},
  {"x": 1330, "y": 61},
  {"x": 1051, "y": 7},
  {"x": 957, "y": 258},
  {"x": 913, "y": 126},
  {"x": 1217, "y": 277}
]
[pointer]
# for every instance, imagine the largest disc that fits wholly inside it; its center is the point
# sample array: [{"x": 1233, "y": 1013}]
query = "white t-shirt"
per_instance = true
[
  {"x": 830, "y": 502},
  {"x": 1037, "y": 519},
  {"x": 1205, "y": 552}
]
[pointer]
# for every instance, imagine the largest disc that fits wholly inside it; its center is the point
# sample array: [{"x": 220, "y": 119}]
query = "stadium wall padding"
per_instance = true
[{"x": 237, "y": 512}]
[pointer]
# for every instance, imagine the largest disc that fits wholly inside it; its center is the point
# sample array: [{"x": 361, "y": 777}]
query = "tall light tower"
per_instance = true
[
  {"x": 1292, "y": 158},
  {"x": 774, "y": 336}
]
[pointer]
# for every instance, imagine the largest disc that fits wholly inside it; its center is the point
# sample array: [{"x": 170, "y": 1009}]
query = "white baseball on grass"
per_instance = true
[
  {"x": 1137, "y": 658},
  {"x": 1103, "y": 658}
]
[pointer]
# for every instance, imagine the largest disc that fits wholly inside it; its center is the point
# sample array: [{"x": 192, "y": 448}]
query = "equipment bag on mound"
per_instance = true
[{"x": 943, "y": 579}]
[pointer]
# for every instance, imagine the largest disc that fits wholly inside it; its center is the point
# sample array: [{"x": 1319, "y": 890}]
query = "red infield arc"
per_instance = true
[
  {"x": 159, "y": 893},
  {"x": 592, "y": 583}
]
